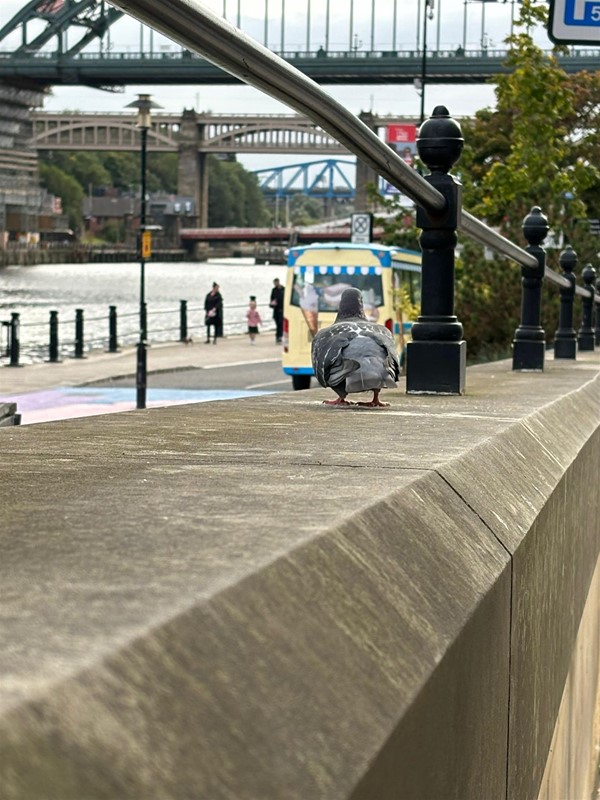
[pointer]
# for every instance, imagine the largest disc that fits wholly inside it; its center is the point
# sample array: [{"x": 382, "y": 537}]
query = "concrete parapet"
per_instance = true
[{"x": 267, "y": 598}]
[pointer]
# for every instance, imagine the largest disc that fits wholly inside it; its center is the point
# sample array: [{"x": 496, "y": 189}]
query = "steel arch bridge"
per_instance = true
[
  {"x": 69, "y": 42},
  {"x": 314, "y": 178}
]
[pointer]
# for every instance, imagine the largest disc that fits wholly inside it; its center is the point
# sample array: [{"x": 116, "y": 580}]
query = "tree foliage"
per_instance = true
[
  {"x": 234, "y": 196},
  {"x": 63, "y": 185},
  {"x": 538, "y": 147}
]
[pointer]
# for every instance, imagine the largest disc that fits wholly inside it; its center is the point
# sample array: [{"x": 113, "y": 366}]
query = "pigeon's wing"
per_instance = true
[
  {"x": 383, "y": 337},
  {"x": 329, "y": 363},
  {"x": 374, "y": 350}
]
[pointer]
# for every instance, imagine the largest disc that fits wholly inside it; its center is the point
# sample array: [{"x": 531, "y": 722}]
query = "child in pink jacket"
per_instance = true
[{"x": 254, "y": 319}]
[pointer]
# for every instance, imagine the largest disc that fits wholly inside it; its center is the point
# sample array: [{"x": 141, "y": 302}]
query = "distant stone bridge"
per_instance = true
[{"x": 222, "y": 133}]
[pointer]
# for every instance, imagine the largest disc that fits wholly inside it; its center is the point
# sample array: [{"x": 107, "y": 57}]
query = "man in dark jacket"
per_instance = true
[
  {"x": 276, "y": 304},
  {"x": 213, "y": 307}
]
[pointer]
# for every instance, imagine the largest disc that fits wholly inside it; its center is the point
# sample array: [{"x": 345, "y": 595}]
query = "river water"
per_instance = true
[{"x": 36, "y": 290}]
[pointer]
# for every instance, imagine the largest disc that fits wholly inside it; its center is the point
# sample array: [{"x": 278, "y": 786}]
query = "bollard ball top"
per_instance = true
[
  {"x": 589, "y": 275},
  {"x": 535, "y": 226},
  {"x": 440, "y": 140},
  {"x": 568, "y": 259}
]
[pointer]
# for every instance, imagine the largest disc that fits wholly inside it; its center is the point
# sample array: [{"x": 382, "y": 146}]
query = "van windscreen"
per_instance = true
[{"x": 320, "y": 288}]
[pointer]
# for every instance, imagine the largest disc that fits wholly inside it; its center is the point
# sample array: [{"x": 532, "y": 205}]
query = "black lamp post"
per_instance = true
[
  {"x": 143, "y": 105},
  {"x": 426, "y": 14}
]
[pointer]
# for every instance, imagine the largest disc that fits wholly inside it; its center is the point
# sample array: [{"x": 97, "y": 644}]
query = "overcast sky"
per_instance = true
[{"x": 487, "y": 21}]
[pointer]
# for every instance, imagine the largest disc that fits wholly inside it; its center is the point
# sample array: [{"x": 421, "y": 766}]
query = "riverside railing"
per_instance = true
[
  {"x": 436, "y": 358},
  {"x": 53, "y": 340}
]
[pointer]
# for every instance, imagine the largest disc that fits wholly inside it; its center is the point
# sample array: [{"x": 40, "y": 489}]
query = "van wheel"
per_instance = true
[{"x": 300, "y": 382}]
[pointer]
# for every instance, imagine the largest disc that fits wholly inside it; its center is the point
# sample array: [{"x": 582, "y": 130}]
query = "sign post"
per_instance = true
[{"x": 574, "y": 21}]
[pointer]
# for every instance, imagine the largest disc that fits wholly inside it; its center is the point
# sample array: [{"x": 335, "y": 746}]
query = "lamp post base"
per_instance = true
[
  {"x": 140, "y": 375},
  {"x": 436, "y": 367}
]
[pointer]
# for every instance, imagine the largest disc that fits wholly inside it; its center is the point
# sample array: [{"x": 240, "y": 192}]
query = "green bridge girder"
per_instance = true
[
  {"x": 46, "y": 56},
  {"x": 180, "y": 67}
]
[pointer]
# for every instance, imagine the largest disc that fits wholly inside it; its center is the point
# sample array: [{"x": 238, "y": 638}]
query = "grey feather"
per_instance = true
[{"x": 353, "y": 354}]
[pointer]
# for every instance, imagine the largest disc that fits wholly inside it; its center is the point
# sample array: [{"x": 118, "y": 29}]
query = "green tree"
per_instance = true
[
  {"x": 59, "y": 183},
  {"x": 539, "y": 146},
  {"x": 233, "y": 196}
]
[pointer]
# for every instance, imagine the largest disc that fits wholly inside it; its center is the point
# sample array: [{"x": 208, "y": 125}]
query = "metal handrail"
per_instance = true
[{"x": 199, "y": 29}]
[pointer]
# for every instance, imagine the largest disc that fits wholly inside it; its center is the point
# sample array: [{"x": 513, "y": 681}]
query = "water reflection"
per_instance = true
[{"x": 36, "y": 290}]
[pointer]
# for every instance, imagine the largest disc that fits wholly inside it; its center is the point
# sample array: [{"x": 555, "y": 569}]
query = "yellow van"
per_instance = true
[{"x": 389, "y": 278}]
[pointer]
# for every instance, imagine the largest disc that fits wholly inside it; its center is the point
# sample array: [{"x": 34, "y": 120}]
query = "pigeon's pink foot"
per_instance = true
[
  {"x": 375, "y": 402},
  {"x": 337, "y": 402}
]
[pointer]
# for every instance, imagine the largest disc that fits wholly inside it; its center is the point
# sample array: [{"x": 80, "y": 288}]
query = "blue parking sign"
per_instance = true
[{"x": 574, "y": 21}]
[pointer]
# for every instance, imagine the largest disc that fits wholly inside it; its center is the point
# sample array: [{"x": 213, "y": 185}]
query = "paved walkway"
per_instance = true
[{"x": 45, "y": 392}]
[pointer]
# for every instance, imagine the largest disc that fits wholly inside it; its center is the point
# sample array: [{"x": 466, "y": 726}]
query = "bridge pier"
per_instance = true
[{"x": 192, "y": 168}]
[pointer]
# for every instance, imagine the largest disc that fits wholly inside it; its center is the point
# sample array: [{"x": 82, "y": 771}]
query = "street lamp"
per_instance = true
[
  {"x": 426, "y": 14},
  {"x": 143, "y": 105}
]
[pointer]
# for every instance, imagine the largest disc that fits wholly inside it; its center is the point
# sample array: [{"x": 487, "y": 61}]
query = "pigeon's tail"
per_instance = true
[
  {"x": 371, "y": 375},
  {"x": 341, "y": 371}
]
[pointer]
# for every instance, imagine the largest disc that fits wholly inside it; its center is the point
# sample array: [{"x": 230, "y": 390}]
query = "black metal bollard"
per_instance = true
[
  {"x": 113, "y": 345},
  {"x": 436, "y": 356},
  {"x": 79, "y": 333},
  {"x": 15, "y": 342},
  {"x": 144, "y": 322},
  {"x": 565, "y": 342},
  {"x": 183, "y": 329},
  {"x": 529, "y": 343},
  {"x": 585, "y": 335},
  {"x": 597, "y": 327},
  {"x": 141, "y": 375},
  {"x": 53, "y": 346}
]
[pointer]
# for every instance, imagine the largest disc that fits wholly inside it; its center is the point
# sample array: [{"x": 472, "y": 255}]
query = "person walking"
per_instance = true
[
  {"x": 253, "y": 318},
  {"x": 213, "y": 310},
  {"x": 277, "y": 293}
]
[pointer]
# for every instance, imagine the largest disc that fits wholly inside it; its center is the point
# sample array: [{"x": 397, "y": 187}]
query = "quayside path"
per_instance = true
[
  {"x": 268, "y": 597},
  {"x": 70, "y": 388}
]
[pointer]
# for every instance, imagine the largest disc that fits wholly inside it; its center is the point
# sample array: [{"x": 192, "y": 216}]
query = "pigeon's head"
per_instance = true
[{"x": 351, "y": 305}]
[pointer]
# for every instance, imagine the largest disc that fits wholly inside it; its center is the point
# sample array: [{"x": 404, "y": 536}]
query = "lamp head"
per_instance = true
[{"x": 144, "y": 104}]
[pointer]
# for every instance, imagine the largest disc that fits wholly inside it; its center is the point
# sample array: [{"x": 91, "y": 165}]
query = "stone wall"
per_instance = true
[{"x": 268, "y": 598}]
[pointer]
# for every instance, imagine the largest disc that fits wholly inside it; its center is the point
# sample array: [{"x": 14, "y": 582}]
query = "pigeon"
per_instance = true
[{"x": 355, "y": 355}]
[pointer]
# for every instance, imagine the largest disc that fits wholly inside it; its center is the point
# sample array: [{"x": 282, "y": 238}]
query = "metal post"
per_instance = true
[
  {"x": 597, "y": 328},
  {"x": 141, "y": 376},
  {"x": 144, "y": 146},
  {"x": 141, "y": 373},
  {"x": 113, "y": 346},
  {"x": 183, "y": 330},
  {"x": 436, "y": 356},
  {"x": 372, "y": 46},
  {"x": 53, "y": 345},
  {"x": 15, "y": 342},
  {"x": 585, "y": 336},
  {"x": 266, "y": 33},
  {"x": 79, "y": 333},
  {"x": 529, "y": 343},
  {"x": 565, "y": 341},
  {"x": 428, "y": 4},
  {"x": 423, "y": 64}
]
